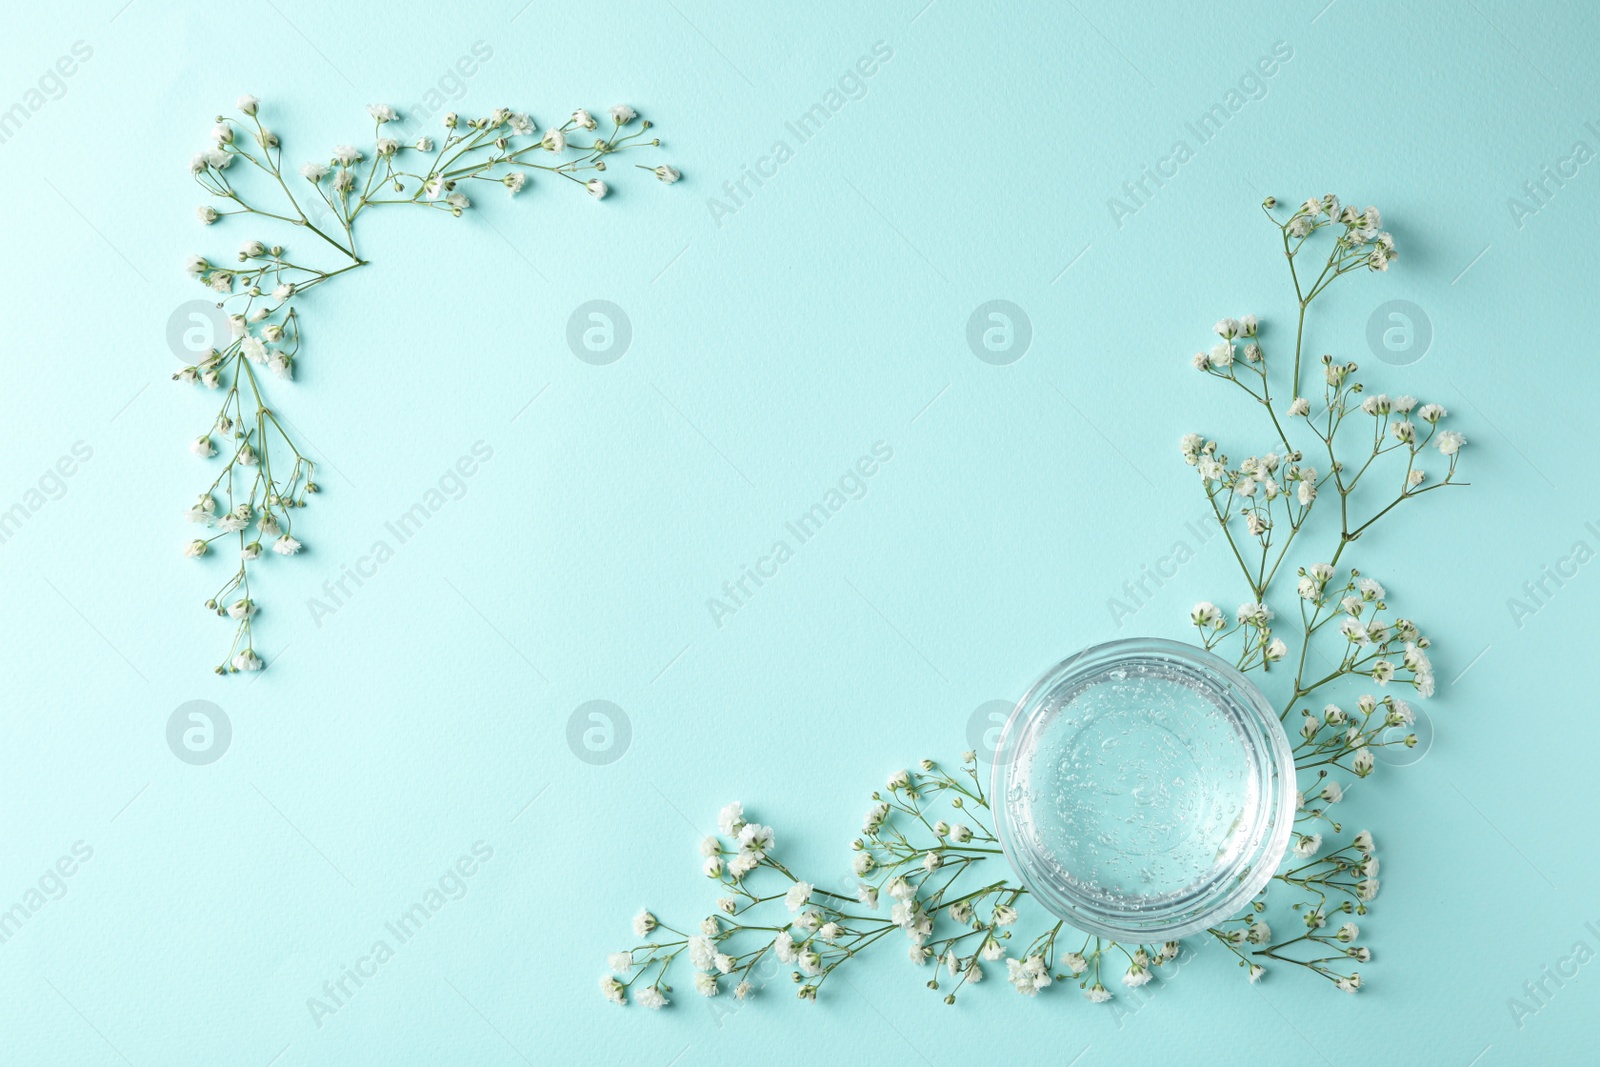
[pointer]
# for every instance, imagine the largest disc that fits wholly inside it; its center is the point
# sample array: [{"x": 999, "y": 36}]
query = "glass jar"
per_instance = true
[{"x": 1144, "y": 790}]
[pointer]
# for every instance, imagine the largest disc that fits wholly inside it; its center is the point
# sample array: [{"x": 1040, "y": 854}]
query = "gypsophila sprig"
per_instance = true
[
  {"x": 1365, "y": 455},
  {"x": 264, "y": 478},
  {"x": 928, "y": 856}
]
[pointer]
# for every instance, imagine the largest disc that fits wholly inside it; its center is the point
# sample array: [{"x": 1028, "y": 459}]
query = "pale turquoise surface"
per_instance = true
[{"x": 825, "y": 314}]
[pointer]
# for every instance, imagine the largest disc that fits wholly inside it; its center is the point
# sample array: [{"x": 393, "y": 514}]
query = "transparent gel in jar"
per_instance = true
[{"x": 1144, "y": 790}]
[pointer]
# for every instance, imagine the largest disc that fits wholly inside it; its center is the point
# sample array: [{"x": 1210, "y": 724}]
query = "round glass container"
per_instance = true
[{"x": 1143, "y": 790}]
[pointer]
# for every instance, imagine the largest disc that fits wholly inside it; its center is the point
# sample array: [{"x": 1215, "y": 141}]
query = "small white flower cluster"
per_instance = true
[
  {"x": 1350, "y": 873},
  {"x": 1363, "y": 241},
  {"x": 920, "y": 838},
  {"x": 261, "y": 464},
  {"x": 1272, "y": 496},
  {"x": 1335, "y": 738}
]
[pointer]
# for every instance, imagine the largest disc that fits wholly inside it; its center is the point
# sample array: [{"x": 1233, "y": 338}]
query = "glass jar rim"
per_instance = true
[{"x": 1227, "y": 890}]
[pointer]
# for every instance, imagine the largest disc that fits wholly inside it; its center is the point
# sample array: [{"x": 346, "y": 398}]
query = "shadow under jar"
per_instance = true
[{"x": 1144, "y": 790}]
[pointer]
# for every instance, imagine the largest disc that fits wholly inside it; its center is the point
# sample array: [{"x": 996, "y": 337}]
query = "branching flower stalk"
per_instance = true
[
  {"x": 926, "y": 840},
  {"x": 265, "y": 478},
  {"x": 1376, "y": 453}
]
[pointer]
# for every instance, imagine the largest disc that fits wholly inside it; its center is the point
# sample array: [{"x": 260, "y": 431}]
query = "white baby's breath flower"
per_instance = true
[
  {"x": 1028, "y": 976},
  {"x": 597, "y": 188},
  {"x": 286, "y": 546},
  {"x": 702, "y": 953},
  {"x": 1255, "y": 614},
  {"x": 798, "y": 895},
  {"x": 756, "y": 839},
  {"x": 622, "y": 114}
]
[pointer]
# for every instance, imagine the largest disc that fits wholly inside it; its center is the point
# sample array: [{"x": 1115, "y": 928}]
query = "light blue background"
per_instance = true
[{"x": 769, "y": 352}]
